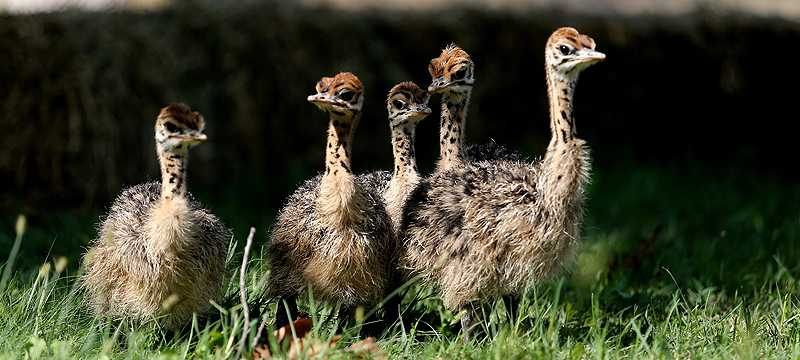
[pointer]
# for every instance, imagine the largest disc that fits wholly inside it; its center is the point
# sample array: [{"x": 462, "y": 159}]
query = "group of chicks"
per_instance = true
[{"x": 482, "y": 226}]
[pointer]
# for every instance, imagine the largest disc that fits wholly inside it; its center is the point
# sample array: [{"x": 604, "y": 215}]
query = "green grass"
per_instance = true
[{"x": 673, "y": 264}]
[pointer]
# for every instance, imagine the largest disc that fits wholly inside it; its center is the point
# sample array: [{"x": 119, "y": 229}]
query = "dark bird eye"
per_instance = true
[
  {"x": 346, "y": 95},
  {"x": 565, "y": 50},
  {"x": 398, "y": 104},
  {"x": 171, "y": 127},
  {"x": 460, "y": 74}
]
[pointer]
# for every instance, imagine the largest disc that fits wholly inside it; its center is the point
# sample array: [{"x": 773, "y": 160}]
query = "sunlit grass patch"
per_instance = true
[{"x": 659, "y": 274}]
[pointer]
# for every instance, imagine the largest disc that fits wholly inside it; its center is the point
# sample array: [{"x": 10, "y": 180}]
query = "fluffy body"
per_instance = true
[
  {"x": 155, "y": 258},
  {"x": 347, "y": 265},
  {"x": 489, "y": 152},
  {"x": 485, "y": 230},
  {"x": 488, "y": 228}
]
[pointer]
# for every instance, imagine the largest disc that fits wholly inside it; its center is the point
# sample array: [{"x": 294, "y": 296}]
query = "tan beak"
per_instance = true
[
  {"x": 193, "y": 138},
  {"x": 422, "y": 110},
  {"x": 592, "y": 56},
  {"x": 317, "y": 98},
  {"x": 437, "y": 85}
]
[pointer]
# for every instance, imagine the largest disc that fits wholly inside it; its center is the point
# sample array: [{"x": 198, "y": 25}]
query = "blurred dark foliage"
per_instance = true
[{"x": 80, "y": 91}]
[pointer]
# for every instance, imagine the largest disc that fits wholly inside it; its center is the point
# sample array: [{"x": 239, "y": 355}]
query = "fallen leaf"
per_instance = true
[{"x": 367, "y": 349}]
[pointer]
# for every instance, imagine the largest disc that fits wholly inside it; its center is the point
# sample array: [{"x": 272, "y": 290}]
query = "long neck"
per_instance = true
[
  {"x": 405, "y": 160},
  {"x": 337, "y": 153},
  {"x": 566, "y": 165},
  {"x": 452, "y": 125},
  {"x": 340, "y": 202},
  {"x": 173, "y": 173},
  {"x": 405, "y": 177},
  {"x": 560, "y": 93}
]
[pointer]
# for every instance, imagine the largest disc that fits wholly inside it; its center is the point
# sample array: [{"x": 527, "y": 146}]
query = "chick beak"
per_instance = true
[
  {"x": 316, "y": 98},
  {"x": 437, "y": 85},
  {"x": 192, "y": 138},
  {"x": 422, "y": 110},
  {"x": 590, "y": 56},
  {"x": 200, "y": 137}
]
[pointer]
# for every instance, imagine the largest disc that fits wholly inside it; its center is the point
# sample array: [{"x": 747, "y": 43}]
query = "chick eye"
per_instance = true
[
  {"x": 398, "y": 104},
  {"x": 460, "y": 74},
  {"x": 171, "y": 127},
  {"x": 565, "y": 50},
  {"x": 346, "y": 95}
]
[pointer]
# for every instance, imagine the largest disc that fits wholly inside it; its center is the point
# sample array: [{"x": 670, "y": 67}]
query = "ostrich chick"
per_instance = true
[
  {"x": 486, "y": 229},
  {"x": 159, "y": 254},
  {"x": 333, "y": 235},
  {"x": 407, "y": 105}
]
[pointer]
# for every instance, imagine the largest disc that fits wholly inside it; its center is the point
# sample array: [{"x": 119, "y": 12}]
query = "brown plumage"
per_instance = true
[
  {"x": 159, "y": 254},
  {"x": 485, "y": 229},
  {"x": 334, "y": 235}
]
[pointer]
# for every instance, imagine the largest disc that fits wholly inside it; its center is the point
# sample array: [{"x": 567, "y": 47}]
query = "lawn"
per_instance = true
[{"x": 674, "y": 263}]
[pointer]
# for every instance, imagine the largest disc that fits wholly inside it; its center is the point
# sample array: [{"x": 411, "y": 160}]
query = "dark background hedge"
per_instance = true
[{"x": 79, "y": 93}]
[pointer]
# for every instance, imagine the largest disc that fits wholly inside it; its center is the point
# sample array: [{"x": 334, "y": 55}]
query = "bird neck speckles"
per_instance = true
[
  {"x": 405, "y": 161},
  {"x": 340, "y": 202},
  {"x": 173, "y": 172},
  {"x": 405, "y": 177},
  {"x": 452, "y": 128},
  {"x": 337, "y": 150},
  {"x": 561, "y": 90},
  {"x": 566, "y": 164}
]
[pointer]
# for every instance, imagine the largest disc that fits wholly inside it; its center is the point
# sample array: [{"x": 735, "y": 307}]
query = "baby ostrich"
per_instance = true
[
  {"x": 453, "y": 77},
  {"x": 334, "y": 235},
  {"x": 159, "y": 254},
  {"x": 486, "y": 229},
  {"x": 407, "y": 105}
]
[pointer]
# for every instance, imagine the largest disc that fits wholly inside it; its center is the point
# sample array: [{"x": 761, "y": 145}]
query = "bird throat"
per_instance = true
[
  {"x": 405, "y": 161},
  {"x": 173, "y": 173},
  {"x": 451, "y": 130},
  {"x": 337, "y": 152},
  {"x": 340, "y": 201},
  {"x": 560, "y": 95}
]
